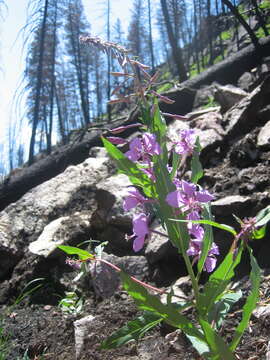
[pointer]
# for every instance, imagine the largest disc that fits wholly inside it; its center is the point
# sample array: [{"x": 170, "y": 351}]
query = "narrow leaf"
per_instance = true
[
  {"x": 259, "y": 233},
  {"x": 178, "y": 235},
  {"x": 148, "y": 302},
  {"x": 199, "y": 345},
  {"x": 128, "y": 167},
  {"x": 210, "y": 222},
  {"x": 176, "y": 160},
  {"x": 219, "y": 349},
  {"x": 196, "y": 167},
  {"x": 133, "y": 330},
  {"x": 222, "y": 307},
  {"x": 71, "y": 250},
  {"x": 207, "y": 239},
  {"x": 263, "y": 216},
  {"x": 251, "y": 302},
  {"x": 219, "y": 281}
]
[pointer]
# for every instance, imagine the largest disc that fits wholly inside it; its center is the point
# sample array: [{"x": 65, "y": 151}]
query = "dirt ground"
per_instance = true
[{"x": 46, "y": 333}]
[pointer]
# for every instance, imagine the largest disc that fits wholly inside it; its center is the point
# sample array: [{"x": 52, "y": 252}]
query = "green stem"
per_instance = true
[{"x": 192, "y": 277}]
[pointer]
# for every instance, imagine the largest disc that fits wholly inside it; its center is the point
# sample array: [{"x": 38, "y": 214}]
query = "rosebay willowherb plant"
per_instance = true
[{"x": 154, "y": 165}]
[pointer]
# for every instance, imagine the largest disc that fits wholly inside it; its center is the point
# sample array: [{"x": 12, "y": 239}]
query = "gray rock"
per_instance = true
[
  {"x": 227, "y": 96},
  {"x": 202, "y": 97},
  {"x": 158, "y": 247},
  {"x": 245, "y": 81},
  {"x": 70, "y": 192},
  {"x": 243, "y": 117},
  {"x": 105, "y": 279},
  {"x": 261, "y": 311},
  {"x": 230, "y": 204},
  {"x": 58, "y": 232},
  {"x": 82, "y": 331},
  {"x": 264, "y": 135}
]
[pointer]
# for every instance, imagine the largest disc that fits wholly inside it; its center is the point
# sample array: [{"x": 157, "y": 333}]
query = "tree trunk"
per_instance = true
[
  {"x": 39, "y": 84},
  {"x": 243, "y": 22},
  {"x": 176, "y": 51},
  {"x": 150, "y": 36},
  {"x": 195, "y": 24},
  {"x": 209, "y": 32},
  {"x": 260, "y": 17},
  {"x": 52, "y": 85}
]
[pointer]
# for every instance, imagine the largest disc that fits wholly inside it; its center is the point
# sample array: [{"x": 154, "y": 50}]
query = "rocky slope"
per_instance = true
[{"x": 85, "y": 202}]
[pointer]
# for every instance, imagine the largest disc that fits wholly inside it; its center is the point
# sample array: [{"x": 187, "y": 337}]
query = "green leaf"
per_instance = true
[
  {"x": 219, "y": 349},
  {"x": 71, "y": 250},
  {"x": 129, "y": 168},
  {"x": 259, "y": 233},
  {"x": 148, "y": 302},
  {"x": 178, "y": 235},
  {"x": 210, "y": 222},
  {"x": 218, "y": 281},
  {"x": 196, "y": 166},
  {"x": 251, "y": 302},
  {"x": 158, "y": 125},
  {"x": 263, "y": 216},
  {"x": 133, "y": 330},
  {"x": 207, "y": 239},
  {"x": 222, "y": 307},
  {"x": 176, "y": 161},
  {"x": 199, "y": 345}
]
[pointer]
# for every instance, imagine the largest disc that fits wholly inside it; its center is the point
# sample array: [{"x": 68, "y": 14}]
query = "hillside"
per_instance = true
[{"x": 76, "y": 194}]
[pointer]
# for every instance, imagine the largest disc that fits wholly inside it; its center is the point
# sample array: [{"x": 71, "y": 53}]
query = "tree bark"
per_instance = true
[
  {"x": 176, "y": 51},
  {"x": 39, "y": 83}
]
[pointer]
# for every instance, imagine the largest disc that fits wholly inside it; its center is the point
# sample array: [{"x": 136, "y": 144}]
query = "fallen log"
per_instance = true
[{"x": 227, "y": 71}]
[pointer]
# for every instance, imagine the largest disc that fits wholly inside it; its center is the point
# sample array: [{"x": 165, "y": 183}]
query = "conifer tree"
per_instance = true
[{"x": 81, "y": 59}]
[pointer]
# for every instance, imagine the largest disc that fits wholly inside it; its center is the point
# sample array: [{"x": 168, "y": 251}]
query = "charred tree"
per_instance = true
[{"x": 176, "y": 51}]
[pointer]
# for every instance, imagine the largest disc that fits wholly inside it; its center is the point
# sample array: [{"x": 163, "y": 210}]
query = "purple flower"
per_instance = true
[
  {"x": 211, "y": 261},
  {"x": 195, "y": 248},
  {"x": 133, "y": 199},
  {"x": 150, "y": 144},
  {"x": 195, "y": 230},
  {"x": 188, "y": 198},
  {"x": 135, "y": 150},
  {"x": 142, "y": 148},
  {"x": 140, "y": 230},
  {"x": 185, "y": 145}
]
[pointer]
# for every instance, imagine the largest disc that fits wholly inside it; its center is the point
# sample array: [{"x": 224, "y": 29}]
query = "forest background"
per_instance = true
[{"x": 66, "y": 85}]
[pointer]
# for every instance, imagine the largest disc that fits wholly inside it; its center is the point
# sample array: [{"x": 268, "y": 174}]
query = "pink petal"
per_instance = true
[{"x": 138, "y": 243}]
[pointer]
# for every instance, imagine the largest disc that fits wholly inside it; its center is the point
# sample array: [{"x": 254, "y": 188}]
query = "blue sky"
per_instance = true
[{"x": 11, "y": 44}]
